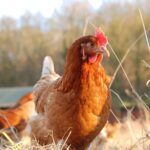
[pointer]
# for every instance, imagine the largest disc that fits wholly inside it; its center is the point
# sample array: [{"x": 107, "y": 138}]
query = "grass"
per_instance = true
[{"x": 129, "y": 135}]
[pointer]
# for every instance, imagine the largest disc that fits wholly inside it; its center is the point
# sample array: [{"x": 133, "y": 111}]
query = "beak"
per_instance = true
[{"x": 105, "y": 51}]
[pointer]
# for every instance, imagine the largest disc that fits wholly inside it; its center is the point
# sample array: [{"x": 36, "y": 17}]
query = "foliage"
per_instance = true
[{"x": 25, "y": 42}]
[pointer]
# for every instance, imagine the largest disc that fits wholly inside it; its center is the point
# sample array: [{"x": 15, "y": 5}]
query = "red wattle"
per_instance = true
[{"x": 92, "y": 59}]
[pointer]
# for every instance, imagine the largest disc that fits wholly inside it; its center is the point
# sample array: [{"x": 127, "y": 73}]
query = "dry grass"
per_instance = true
[
  {"x": 26, "y": 144},
  {"x": 128, "y": 135}
]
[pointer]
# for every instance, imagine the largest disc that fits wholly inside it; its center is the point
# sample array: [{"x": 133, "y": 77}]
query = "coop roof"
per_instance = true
[{"x": 11, "y": 95}]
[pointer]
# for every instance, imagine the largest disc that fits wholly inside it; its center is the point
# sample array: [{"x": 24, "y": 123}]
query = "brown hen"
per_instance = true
[
  {"x": 18, "y": 115},
  {"x": 79, "y": 101}
]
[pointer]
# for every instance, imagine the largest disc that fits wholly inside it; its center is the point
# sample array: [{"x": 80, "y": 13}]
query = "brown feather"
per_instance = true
[
  {"x": 18, "y": 115},
  {"x": 78, "y": 102}
]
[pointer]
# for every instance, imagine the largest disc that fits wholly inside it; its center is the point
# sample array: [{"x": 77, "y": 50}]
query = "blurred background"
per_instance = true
[{"x": 30, "y": 30}]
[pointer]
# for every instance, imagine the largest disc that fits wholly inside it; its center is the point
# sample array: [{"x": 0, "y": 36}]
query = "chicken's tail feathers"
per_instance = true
[
  {"x": 48, "y": 76},
  {"x": 48, "y": 66}
]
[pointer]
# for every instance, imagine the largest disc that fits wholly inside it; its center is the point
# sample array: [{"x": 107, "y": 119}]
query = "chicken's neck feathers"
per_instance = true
[{"x": 75, "y": 74}]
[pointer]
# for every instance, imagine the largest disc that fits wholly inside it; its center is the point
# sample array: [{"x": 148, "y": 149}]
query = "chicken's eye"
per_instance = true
[{"x": 89, "y": 44}]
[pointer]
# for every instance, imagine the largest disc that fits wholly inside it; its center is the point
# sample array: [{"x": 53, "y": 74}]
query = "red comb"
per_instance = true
[{"x": 101, "y": 37}]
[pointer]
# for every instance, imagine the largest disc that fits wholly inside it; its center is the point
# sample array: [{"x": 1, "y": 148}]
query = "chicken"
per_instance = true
[
  {"x": 78, "y": 102},
  {"x": 18, "y": 115}
]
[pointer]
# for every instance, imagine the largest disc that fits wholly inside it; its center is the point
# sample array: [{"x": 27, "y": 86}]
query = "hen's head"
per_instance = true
[
  {"x": 89, "y": 48},
  {"x": 94, "y": 47}
]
